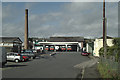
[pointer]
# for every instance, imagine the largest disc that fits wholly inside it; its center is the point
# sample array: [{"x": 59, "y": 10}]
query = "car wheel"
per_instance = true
[{"x": 16, "y": 60}]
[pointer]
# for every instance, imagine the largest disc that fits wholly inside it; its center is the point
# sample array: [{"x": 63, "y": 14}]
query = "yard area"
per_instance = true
[{"x": 60, "y": 65}]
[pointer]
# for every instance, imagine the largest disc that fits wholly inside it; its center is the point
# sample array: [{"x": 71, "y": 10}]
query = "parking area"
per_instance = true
[{"x": 60, "y": 65}]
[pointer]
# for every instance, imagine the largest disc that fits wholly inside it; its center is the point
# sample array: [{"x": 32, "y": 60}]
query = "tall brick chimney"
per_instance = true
[{"x": 26, "y": 30}]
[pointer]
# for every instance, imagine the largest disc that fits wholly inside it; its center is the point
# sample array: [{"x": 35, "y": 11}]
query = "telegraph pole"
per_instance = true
[{"x": 104, "y": 30}]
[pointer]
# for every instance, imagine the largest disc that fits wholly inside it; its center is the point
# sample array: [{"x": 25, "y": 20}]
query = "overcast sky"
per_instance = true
[{"x": 59, "y": 19}]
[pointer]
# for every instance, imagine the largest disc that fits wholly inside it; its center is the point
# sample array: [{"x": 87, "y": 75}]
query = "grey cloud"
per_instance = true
[
  {"x": 92, "y": 22},
  {"x": 75, "y": 19}
]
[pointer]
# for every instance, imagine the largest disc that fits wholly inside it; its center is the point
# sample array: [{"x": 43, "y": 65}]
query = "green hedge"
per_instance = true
[{"x": 113, "y": 50}]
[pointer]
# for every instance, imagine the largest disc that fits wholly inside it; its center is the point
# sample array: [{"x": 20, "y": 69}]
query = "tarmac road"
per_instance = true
[{"x": 60, "y": 65}]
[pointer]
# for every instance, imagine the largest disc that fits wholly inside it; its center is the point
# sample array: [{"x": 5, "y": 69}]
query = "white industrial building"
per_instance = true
[
  {"x": 58, "y": 43},
  {"x": 98, "y": 43}
]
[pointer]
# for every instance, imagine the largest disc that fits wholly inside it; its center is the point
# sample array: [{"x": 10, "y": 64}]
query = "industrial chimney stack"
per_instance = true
[{"x": 26, "y": 30}]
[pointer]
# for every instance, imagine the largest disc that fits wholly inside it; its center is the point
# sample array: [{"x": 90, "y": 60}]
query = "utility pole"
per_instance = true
[
  {"x": 104, "y": 30},
  {"x": 26, "y": 30}
]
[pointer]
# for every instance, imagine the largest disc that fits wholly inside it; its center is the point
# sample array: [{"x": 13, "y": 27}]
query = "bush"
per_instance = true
[
  {"x": 111, "y": 51},
  {"x": 101, "y": 51},
  {"x": 116, "y": 42}
]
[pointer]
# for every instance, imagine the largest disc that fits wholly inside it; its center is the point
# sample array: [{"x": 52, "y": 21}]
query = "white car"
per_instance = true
[{"x": 11, "y": 56}]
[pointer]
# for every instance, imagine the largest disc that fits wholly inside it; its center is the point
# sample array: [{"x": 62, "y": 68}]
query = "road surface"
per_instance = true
[{"x": 60, "y": 65}]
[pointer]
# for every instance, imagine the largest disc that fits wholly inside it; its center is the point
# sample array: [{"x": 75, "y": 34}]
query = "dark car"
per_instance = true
[
  {"x": 28, "y": 53},
  {"x": 35, "y": 52},
  {"x": 85, "y": 53}
]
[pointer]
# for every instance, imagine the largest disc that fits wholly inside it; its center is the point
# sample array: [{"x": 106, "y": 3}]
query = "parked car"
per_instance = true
[
  {"x": 35, "y": 52},
  {"x": 11, "y": 56},
  {"x": 3, "y": 56},
  {"x": 85, "y": 53},
  {"x": 25, "y": 58},
  {"x": 28, "y": 53}
]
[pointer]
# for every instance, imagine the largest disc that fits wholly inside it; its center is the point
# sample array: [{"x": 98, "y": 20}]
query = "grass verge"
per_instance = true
[{"x": 106, "y": 71}]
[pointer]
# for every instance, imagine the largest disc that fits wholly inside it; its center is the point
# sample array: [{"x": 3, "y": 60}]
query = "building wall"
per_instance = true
[
  {"x": 98, "y": 43},
  {"x": 75, "y": 45},
  {"x": 90, "y": 47},
  {"x": 12, "y": 47},
  {"x": 6, "y": 44}
]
